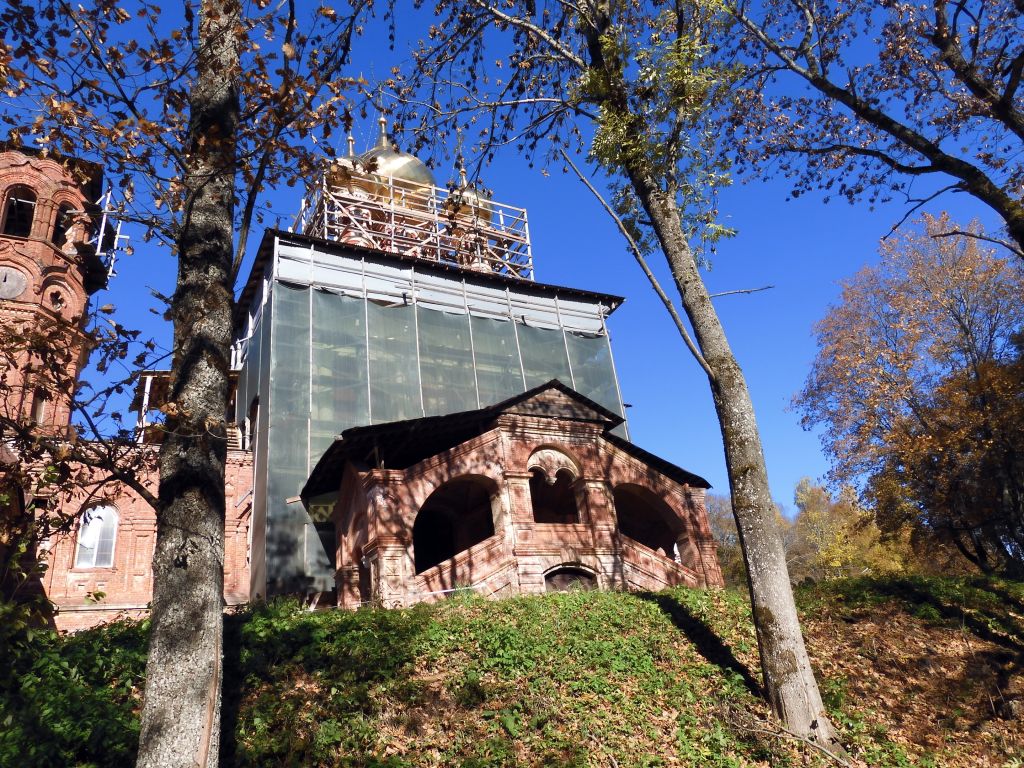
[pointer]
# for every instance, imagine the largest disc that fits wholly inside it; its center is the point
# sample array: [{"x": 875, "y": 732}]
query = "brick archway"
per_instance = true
[
  {"x": 456, "y": 516},
  {"x": 646, "y": 518}
]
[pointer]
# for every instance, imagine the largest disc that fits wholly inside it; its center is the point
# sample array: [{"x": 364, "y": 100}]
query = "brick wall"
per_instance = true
[
  {"x": 128, "y": 583},
  {"x": 377, "y": 511}
]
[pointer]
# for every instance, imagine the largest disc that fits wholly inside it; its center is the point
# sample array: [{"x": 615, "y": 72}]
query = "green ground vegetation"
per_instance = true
[{"x": 916, "y": 671}]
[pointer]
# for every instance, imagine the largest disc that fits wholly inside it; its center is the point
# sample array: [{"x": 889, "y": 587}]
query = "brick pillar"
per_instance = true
[
  {"x": 603, "y": 520},
  {"x": 389, "y": 536},
  {"x": 391, "y": 573},
  {"x": 347, "y": 581},
  {"x": 528, "y": 572},
  {"x": 709, "y": 563}
]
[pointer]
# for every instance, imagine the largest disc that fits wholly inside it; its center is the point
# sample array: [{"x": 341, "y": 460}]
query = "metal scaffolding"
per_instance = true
[{"x": 460, "y": 226}]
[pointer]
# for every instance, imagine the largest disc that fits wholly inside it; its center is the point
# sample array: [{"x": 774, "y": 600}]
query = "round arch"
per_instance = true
[
  {"x": 458, "y": 515},
  {"x": 646, "y": 517},
  {"x": 19, "y": 210},
  {"x": 553, "y": 459},
  {"x": 65, "y": 214},
  {"x": 567, "y": 577},
  {"x": 553, "y": 477}
]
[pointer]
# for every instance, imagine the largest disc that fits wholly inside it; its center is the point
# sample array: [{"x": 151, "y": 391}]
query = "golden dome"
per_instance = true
[
  {"x": 387, "y": 160},
  {"x": 470, "y": 203}
]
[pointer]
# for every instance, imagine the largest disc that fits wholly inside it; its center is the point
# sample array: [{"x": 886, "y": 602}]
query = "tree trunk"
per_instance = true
[
  {"x": 788, "y": 678},
  {"x": 181, "y": 706}
]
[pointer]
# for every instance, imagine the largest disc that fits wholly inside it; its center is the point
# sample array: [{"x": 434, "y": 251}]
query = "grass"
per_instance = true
[{"x": 574, "y": 679}]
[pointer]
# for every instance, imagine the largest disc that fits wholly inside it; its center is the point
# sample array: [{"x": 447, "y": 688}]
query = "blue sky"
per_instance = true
[{"x": 802, "y": 247}]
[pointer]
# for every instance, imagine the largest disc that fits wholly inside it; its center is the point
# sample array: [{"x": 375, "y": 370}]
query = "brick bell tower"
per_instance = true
[{"x": 49, "y": 267}]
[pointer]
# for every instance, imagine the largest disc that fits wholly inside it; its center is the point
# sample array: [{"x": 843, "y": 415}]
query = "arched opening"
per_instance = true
[
  {"x": 455, "y": 517},
  {"x": 97, "y": 532},
  {"x": 19, "y": 211},
  {"x": 568, "y": 578},
  {"x": 646, "y": 518},
  {"x": 62, "y": 227},
  {"x": 553, "y": 502}
]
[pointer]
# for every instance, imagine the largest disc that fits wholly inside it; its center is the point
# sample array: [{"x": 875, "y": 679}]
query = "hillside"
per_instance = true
[{"x": 915, "y": 672}]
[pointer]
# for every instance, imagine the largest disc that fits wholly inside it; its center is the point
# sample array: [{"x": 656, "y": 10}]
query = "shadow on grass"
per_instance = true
[
  {"x": 231, "y": 694},
  {"x": 704, "y": 637},
  {"x": 998, "y": 627},
  {"x": 303, "y": 688}
]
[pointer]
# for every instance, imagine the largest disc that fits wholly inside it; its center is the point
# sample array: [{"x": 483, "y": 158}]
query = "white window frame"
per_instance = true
[{"x": 96, "y": 521}]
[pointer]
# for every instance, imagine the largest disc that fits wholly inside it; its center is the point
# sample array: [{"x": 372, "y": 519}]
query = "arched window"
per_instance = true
[
  {"x": 19, "y": 210},
  {"x": 645, "y": 517},
  {"x": 554, "y": 500},
  {"x": 97, "y": 533},
  {"x": 454, "y": 518},
  {"x": 37, "y": 413},
  {"x": 65, "y": 221}
]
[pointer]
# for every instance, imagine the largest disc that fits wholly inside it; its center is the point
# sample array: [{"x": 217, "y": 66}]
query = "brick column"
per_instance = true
[
  {"x": 347, "y": 580},
  {"x": 709, "y": 563}
]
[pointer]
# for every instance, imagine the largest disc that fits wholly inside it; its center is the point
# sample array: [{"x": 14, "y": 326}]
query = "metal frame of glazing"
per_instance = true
[{"x": 354, "y": 339}]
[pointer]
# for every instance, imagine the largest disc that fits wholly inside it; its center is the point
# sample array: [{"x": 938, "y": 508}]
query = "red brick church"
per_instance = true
[{"x": 414, "y": 415}]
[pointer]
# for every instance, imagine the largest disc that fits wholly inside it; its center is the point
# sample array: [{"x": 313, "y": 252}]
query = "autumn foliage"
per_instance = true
[{"x": 917, "y": 383}]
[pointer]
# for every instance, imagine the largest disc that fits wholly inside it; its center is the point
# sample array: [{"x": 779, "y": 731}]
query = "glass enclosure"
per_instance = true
[{"x": 337, "y": 359}]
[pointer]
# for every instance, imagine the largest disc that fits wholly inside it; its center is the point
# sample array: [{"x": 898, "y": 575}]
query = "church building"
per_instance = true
[{"x": 414, "y": 414}]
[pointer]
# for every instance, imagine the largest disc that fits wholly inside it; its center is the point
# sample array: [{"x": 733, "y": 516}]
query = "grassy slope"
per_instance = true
[{"x": 915, "y": 672}]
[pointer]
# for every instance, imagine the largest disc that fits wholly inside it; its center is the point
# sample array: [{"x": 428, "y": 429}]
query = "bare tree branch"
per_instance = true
[
  {"x": 639, "y": 256},
  {"x": 740, "y": 290},
  {"x": 994, "y": 240}
]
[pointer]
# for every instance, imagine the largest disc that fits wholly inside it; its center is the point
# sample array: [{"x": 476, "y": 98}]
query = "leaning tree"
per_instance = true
[{"x": 634, "y": 85}]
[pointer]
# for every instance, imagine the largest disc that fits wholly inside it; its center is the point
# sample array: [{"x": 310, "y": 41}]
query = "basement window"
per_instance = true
[{"x": 568, "y": 579}]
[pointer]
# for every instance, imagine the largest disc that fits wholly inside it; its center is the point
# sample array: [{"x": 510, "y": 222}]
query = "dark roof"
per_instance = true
[
  {"x": 265, "y": 252},
  {"x": 400, "y": 444}
]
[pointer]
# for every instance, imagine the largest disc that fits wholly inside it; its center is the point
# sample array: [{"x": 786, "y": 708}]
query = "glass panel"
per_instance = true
[
  {"x": 288, "y": 436},
  {"x": 84, "y": 558},
  {"x": 394, "y": 378},
  {"x": 544, "y": 357},
  {"x": 340, "y": 392},
  {"x": 497, "y": 362},
  {"x": 105, "y": 545},
  {"x": 446, "y": 362},
  {"x": 592, "y": 369},
  {"x": 289, "y": 377}
]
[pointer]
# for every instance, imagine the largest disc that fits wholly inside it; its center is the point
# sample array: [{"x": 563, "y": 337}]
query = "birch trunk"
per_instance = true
[{"x": 181, "y": 705}]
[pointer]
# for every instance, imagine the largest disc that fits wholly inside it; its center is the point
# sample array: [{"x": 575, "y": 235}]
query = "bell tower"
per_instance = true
[{"x": 48, "y": 270}]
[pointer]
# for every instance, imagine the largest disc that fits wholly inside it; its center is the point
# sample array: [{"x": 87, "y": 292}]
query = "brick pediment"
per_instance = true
[{"x": 557, "y": 401}]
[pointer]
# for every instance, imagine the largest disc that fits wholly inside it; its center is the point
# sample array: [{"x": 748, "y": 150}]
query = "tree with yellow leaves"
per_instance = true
[
  {"x": 917, "y": 382},
  {"x": 832, "y": 537}
]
